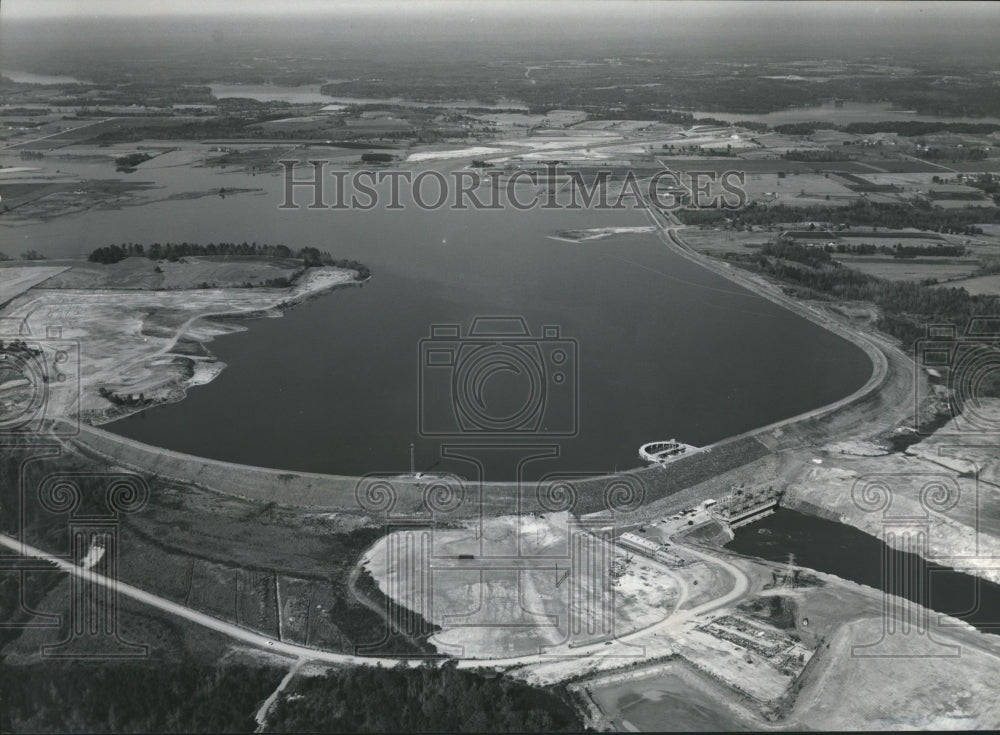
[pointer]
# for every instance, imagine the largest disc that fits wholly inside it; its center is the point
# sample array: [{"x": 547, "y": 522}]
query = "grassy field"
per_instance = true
[
  {"x": 79, "y": 131},
  {"x": 981, "y": 285},
  {"x": 907, "y": 269},
  {"x": 39, "y": 200}
]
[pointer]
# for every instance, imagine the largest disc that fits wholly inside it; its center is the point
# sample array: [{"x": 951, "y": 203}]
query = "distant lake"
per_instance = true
[
  {"x": 453, "y": 104},
  {"x": 310, "y": 94},
  {"x": 24, "y": 77},
  {"x": 305, "y": 94},
  {"x": 664, "y": 348},
  {"x": 850, "y": 112}
]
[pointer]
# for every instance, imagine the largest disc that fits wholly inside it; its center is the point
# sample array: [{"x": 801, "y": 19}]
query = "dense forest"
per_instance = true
[
  {"x": 921, "y": 216},
  {"x": 189, "y": 696},
  {"x": 425, "y": 699},
  {"x": 76, "y": 696},
  {"x": 815, "y": 256},
  {"x": 655, "y": 85},
  {"x": 906, "y": 128},
  {"x": 906, "y": 307}
]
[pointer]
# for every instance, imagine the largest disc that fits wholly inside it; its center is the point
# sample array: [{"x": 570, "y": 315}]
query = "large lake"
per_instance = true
[{"x": 665, "y": 348}]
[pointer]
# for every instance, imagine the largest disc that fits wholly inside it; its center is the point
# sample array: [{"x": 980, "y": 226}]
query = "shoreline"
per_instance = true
[
  {"x": 206, "y": 368},
  {"x": 873, "y": 346}
]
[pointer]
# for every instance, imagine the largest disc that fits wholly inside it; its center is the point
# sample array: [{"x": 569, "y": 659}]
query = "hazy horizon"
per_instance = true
[{"x": 528, "y": 30}]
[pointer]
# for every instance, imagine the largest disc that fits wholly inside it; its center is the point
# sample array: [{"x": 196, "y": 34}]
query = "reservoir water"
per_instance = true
[
  {"x": 842, "y": 550},
  {"x": 661, "y": 347}
]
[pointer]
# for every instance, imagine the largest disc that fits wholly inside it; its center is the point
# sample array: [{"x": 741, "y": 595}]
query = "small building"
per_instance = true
[
  {"x": 743, "y": 506},
  {"x": 638, "y": 543}
]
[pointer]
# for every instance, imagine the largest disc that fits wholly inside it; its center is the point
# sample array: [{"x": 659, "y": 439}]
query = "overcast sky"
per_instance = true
[
  {"x": 802, "y": 29},
  {"x": 888, "y": 12}
]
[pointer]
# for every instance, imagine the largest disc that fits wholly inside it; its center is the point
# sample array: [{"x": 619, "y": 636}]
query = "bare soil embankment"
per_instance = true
[
  {"x": 909, "y": 686},
  {"x": 133, "y": 348}
]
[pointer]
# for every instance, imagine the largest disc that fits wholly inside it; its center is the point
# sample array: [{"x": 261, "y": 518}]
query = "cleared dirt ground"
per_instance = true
[
  {"x": 134, "y": 343},
  {"x": 511, "y": 588},
  {"x": 930, "y": 482},
  {"x": 910, "y": 687}
]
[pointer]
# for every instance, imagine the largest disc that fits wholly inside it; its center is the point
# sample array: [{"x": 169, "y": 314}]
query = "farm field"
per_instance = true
[
  {"x": 981, "y": 285},
  {"x": 906, "y": 269}
]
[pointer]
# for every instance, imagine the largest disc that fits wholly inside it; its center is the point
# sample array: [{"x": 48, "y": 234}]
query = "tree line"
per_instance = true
[
  {"x": 920, "y": 215},
  {"x": 905, "y": 307},
  {"x": 906, "y": 128},
  {"x": 78, "y": 696},
  {"x": 899, "y": 250},
  {"x": 172, "y": 252}
]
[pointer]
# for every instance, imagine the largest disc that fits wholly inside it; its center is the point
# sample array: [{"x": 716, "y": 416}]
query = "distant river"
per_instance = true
[
  {"x": 305, "y": 94},
  {"x": 310, "y": 94},
  {"x": 663, "y": 348},
  {"x": 24, "y": 77},
  {"x": 849, "y": 112}
]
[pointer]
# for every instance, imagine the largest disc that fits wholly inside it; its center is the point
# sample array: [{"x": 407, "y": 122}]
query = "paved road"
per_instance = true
[
  {"x": 221, "y": 626},
  {"x": 875, "y": 349}
]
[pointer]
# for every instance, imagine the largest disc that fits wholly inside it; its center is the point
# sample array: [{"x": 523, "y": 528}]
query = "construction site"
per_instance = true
[{"x": 743, "y": 506}]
